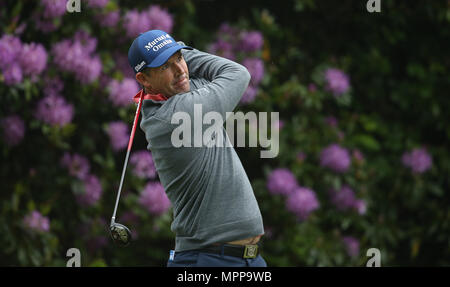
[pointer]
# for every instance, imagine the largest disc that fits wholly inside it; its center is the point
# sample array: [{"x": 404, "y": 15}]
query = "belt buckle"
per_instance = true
[{"x": 250, "y": 251}]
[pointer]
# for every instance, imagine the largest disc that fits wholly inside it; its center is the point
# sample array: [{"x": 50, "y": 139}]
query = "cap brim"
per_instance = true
[{"x": 164, "y": 56}]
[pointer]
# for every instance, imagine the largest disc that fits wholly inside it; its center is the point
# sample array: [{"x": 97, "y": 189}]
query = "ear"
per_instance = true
[{"x": 142, "y": 79}]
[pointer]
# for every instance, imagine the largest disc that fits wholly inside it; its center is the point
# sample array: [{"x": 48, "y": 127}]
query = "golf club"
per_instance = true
[{"x": 121, "y": 234}]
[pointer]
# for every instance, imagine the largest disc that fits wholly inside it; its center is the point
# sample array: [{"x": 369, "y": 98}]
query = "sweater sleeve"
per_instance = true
[{"x": 228, "y": 82}]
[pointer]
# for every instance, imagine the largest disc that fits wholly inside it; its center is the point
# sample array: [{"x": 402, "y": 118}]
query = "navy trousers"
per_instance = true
[{"x": 193, "y": 258}]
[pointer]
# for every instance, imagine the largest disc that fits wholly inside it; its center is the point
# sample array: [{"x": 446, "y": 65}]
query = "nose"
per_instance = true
[{"x": 178, "y": 69}]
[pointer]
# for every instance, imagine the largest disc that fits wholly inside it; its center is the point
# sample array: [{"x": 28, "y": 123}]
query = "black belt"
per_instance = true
[{"x": 241, "y": 251}]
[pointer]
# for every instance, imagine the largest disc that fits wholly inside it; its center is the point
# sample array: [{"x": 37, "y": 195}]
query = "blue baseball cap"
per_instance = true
[{"x": 152, "y": 49}]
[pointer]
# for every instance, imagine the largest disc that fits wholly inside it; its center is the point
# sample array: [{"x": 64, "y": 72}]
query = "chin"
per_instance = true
[{"x": 184, "y": 90}]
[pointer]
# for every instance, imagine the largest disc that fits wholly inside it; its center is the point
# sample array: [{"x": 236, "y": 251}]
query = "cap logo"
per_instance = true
[
  {"x": 156, "y": 45},
  {"x": 139, "y": 66}
]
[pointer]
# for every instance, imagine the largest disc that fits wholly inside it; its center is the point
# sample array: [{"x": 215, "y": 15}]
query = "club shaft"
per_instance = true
[{"x": 130, "y": 143}]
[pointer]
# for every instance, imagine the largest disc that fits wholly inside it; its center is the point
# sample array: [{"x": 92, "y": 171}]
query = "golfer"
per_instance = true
[{"x": 217, "y": 220}]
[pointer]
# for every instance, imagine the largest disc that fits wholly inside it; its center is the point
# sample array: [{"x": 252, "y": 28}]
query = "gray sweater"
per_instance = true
[{"x": 210, "y": 192}]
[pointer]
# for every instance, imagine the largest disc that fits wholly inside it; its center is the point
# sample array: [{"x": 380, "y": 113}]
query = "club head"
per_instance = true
[{"x": 120, "y": 234}]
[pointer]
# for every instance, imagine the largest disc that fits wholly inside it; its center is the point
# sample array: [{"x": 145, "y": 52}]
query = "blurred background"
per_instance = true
[{"x": 364, "y": 128}]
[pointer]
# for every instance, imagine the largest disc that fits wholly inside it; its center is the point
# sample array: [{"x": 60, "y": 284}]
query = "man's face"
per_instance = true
[{"x": 169, "y": 79}]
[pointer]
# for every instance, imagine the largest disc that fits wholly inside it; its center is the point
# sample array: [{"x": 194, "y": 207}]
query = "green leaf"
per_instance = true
[
  {"x": 35, "y": 256},
  {"x": 98, "y": 159},
  {"x": 15, "y": 202},
  {"x": 368, "y": 123},
  {"x": 17, "y": 9},
  {"x": 45, "y": 208},
  {"x": 344, "y": 99},
  {"x": 22, "y": 256},
  {"x": 416, "y": 70},
  {"x": 436, "y": 190},
  {"x": 77, "y": 187},
  {"x": 336, "y": 183},
  {"x": 98, "y": 263},
  {"x": 31, "y": 205},
  {"x": 367, "y": 142},
  {"x": 68, "y": 130}
]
